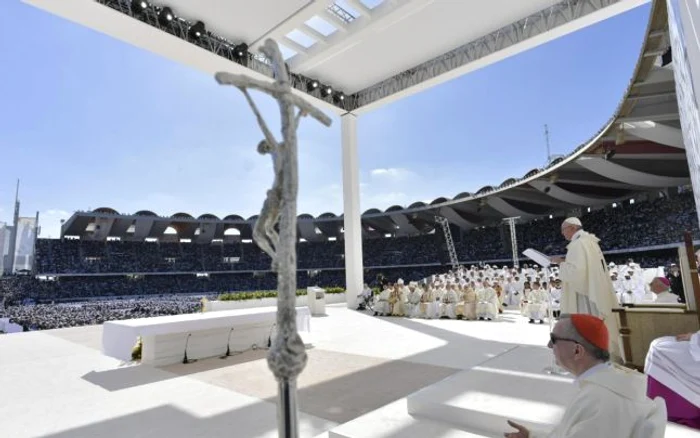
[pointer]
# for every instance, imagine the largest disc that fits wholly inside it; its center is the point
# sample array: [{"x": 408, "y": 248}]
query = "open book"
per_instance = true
[{"x": 537, "y": 257}]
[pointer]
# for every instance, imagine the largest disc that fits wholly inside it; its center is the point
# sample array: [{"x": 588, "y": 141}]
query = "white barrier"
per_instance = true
[{"x": 200, "y": 335}]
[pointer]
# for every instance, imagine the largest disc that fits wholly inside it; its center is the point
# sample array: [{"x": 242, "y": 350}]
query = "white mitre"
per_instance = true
[{"x": 573, "y": 221}]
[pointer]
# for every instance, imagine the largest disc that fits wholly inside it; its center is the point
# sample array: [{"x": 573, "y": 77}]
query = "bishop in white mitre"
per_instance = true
[{"x": 586, "y": 281}]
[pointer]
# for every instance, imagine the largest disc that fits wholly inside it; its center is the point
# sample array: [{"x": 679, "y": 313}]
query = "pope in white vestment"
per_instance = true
[
  {"x": 587, "y": 287},
  {"x": 611, "y": 402}
]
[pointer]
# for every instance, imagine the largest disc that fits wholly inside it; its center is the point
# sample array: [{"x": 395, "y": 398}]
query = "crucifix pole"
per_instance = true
[{"x": 287, "y": 356}]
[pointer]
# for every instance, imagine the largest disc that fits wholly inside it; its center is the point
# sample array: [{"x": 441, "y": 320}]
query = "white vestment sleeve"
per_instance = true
[{"x": 573, "y": 270}]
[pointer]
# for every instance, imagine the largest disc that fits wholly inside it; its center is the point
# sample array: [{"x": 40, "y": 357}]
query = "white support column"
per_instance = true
[{"x": 354, "y": 278}]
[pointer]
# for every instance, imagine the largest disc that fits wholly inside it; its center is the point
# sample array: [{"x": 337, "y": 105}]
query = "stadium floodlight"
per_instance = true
[
  {"x": 312, "y": 85},
  {"x": 240, "y": 51},
  {"x": 339, "y": 97},
  {"x": 166, "y": 16},
  {"x": 139, "y": 6},
  {"x": 196, "y": 30},
  {"x": 326, "y": 91}
]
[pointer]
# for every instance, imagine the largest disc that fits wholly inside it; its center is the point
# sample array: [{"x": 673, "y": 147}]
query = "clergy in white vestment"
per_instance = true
[
  {"x": 413, "y": 301},
  {"x": 428, "y": 306},
  {"x": 627, "y": 296},
  {"x": 515, "y": 294},
  {"x": 448, "y": 307},
  {"x": 673, "y": 369},
  {"x": 397, "y": 300},
  {"x": 536, "y": 309},
  {"x": 555, "y": 298},
  {"x": 381, "y": 303},
  {"x": 527, "y": 289},
  {"x": 466, "y": 307},
  {"x": 486, "y": 302},
  {"x": 661, "y": 288},
  {"x": 611, "y": 401},
  {"x": 586, "y": 281}
]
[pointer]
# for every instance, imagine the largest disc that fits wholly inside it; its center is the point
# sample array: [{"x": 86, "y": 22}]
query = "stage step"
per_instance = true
[
  {"x": 393, "y": 420},
  {"x": 510, "y": 386}
]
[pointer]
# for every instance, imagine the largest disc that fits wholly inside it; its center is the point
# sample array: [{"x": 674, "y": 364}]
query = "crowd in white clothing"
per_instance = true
[{"x": 474, "y": 293}]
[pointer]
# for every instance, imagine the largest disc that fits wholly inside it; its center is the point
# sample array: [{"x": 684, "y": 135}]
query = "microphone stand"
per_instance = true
[
  {"x": 185, "y": 360},
  {"x": 553, "y": 368},
  {"x": 228, "y": 347}
]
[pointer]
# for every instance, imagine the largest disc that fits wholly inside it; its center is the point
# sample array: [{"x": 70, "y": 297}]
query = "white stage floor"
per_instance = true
[{"x": 361, "y": 370}]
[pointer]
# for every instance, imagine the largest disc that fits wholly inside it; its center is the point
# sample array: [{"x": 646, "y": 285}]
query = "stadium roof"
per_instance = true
[
  {"x": 639, "y": 150},
  {"x": 373, "y": 51}
]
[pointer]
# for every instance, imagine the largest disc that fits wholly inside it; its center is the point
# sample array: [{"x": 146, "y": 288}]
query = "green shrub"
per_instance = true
[{"x": 260, "y": 294}]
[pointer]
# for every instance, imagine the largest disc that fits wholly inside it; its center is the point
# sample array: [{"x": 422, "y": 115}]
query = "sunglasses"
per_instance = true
[{"x": 553, "y": 339}]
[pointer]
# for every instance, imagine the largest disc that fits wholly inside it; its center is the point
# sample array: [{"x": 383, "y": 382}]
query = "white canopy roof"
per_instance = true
[{"x": 372, "y": 50}]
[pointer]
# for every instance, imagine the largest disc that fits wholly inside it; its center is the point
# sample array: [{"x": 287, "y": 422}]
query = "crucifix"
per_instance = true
[{"x": 287, "y": 356}]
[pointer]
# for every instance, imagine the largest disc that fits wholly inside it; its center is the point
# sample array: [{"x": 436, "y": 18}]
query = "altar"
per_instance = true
[{"x": 166, "y": 339}]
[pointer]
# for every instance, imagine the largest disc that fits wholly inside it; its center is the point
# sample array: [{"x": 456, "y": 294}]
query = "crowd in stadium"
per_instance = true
[
  {"x": 52, "y": 316},
  {"x": 171, "y": 268},
  {"x": 628, "y": 226}
]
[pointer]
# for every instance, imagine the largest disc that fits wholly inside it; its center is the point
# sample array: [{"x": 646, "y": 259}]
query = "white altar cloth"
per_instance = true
[{"x": 119, "y": 337}]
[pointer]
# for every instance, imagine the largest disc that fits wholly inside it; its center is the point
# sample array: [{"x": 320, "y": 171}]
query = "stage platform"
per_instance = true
[
  {"x": 167, "y": 339},
  {"x": 361, "y": 373}
]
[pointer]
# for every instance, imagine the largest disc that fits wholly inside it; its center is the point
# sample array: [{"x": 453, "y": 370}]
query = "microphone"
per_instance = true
[
  {"x": 228, "y": 348},
  {"x": 185, "y": 360}
]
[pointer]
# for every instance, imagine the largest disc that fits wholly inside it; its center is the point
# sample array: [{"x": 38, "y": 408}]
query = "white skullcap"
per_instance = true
[{"x": 573, "y": 221}]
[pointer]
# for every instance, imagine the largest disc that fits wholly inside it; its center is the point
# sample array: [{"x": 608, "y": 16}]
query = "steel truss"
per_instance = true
[
  {"x": 536, "y": 24},
  {"x": 513, "y": 239},
  {"x": 454, "y": 261}
]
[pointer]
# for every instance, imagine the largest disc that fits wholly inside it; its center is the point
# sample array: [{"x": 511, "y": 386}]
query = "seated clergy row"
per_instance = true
[
  {"x": 456, "y": 295},
  {"x": 438, "y": 300}
]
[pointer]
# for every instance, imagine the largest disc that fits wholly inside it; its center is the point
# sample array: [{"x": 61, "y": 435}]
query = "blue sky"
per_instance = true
[{"x": 88, "y": 121}]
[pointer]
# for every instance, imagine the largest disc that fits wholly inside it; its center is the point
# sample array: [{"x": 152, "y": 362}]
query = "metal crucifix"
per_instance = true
[{"x": 287, "y": 356}]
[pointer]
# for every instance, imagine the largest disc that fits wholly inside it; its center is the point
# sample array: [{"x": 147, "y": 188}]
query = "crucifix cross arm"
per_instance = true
[{"x": 274, "y": 89}]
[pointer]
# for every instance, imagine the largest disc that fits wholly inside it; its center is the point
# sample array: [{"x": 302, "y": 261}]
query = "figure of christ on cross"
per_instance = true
[{"x": 287, "y": 356}]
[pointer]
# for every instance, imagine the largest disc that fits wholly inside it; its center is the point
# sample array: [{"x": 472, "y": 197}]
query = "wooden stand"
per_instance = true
[{"x": 642, "y": 323}]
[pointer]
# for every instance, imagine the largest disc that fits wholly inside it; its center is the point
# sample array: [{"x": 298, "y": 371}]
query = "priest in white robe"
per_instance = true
[
  {"x": 586, "y": 281},
  {"x": 673, "y": 369},
  {"x": 611, "y": 402}
]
